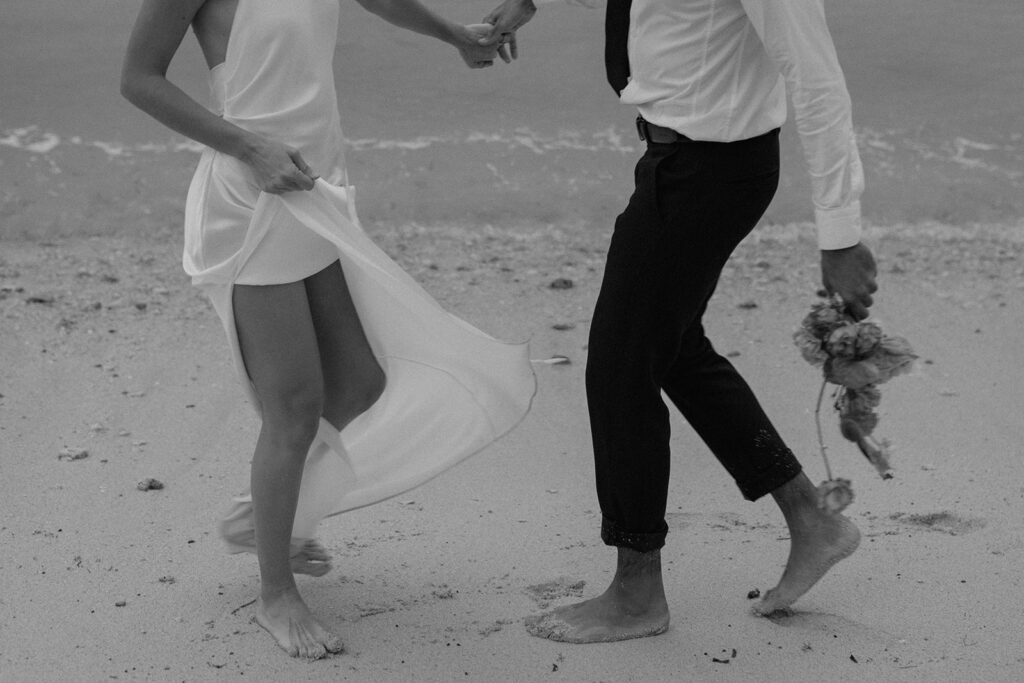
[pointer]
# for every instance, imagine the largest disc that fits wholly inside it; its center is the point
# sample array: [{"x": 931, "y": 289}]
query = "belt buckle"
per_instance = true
[{"x": 641, "y": 128}]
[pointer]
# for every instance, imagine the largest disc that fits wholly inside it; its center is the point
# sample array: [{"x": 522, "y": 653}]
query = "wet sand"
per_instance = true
[{"x": 488, "y": 187}]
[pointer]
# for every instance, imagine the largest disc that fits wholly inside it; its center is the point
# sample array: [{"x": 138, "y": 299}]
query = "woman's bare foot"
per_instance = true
[
  {"x": 238, "y": 529},
  {"x": 818, "y": 540},
  {"x": 287, "y": 618},
  {"x": 634, "y": 606},
  {"x": 309, "y": 558}
]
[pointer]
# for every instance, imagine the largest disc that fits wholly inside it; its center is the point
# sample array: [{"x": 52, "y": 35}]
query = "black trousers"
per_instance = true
[{"x": 693, "y": 203}]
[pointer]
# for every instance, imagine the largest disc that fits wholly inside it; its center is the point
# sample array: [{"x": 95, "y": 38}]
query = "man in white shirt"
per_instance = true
[{"x": 709, "y": 79}]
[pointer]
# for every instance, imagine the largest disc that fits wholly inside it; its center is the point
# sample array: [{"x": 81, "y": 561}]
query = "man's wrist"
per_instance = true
[
  {"x": 839, "y": 227},
  {"x": 525, "y": 8}
]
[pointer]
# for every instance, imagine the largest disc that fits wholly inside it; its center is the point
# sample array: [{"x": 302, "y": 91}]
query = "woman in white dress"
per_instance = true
[{"x": 365, "y": 387}]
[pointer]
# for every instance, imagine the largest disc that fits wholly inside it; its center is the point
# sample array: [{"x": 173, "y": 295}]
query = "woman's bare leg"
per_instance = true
[
  {"x": 353, "y": 379},
  {"x": 279, "y": 347}
]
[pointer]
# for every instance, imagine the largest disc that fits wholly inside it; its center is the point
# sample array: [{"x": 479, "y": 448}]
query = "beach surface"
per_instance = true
[{"x": 489, "y": 187}]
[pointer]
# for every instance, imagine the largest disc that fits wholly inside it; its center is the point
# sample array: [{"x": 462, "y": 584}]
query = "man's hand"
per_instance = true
[
  {"x": 471, "y": 41},
  {"x": 507, "y": 18},
  {"x": 850, "y": 273}
]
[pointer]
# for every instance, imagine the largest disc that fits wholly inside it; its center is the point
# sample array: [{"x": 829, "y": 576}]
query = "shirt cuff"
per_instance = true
[{"x": 838, "y": 228}]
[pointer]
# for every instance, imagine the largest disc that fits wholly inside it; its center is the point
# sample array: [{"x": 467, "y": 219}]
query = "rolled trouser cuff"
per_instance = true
[
  {"x": 765, "y": 482},
  {"x": 611, "y": 534}
]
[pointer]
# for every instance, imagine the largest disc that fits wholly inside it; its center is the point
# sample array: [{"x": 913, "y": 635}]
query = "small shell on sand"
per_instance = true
[{"x": 150, "y": 484}]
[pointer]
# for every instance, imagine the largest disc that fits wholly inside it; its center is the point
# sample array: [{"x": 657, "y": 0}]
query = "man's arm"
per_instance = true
[
  {"x": 796, "y": 37},
  {"x": 510, "y": 15}
]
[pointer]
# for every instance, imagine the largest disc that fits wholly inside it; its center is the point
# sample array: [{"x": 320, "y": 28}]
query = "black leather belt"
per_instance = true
[{"x": 650, "y": 132}]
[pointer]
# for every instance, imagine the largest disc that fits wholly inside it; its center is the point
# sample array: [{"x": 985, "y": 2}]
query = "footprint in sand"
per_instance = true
[
  {"x": 563, "y": 587},
  {"x": 944, "y": 521},
  {"x": 725, "y": 521},
  {"x": 826, "y": 628}
]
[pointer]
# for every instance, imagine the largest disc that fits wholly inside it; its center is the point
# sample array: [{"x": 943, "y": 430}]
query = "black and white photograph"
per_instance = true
[{"x": 591, "y": 341}]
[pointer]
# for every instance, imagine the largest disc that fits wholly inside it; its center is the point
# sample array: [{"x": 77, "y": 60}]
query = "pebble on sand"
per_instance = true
[
  {"x": 71, "y": 454},
  {"x": 150, "y": 484},
  {"x": 561, "y": 283}
]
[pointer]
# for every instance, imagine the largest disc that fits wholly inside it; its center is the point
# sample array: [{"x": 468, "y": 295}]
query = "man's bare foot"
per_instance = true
[
  {"x": 603, "y": 619},
  {"x": 634, "y": 606},
  {"x": 818, "y": 540},
  {"x": 294, "y": 627}
]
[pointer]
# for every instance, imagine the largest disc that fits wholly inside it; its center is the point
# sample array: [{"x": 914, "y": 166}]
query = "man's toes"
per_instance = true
[
  {"x": 770, "y": 607},
  {"x": 545, "y": 625},
  {"x": 533, "y": 623}
]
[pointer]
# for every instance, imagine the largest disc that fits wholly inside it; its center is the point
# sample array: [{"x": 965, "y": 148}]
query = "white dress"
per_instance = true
[{"x": 451, "y": 389}]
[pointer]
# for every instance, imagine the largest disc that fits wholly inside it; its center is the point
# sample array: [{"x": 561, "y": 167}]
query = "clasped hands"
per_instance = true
[
  {"x": 479, "y": 44},
  {"x": 278, "y": 168}
]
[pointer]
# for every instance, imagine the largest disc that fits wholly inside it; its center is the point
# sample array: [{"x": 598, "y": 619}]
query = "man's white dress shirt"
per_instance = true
[{"x": 720, "y": 70}]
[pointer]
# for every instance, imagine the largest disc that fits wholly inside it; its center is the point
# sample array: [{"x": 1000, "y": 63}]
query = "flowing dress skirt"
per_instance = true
[{"x": 451, "y": 389}]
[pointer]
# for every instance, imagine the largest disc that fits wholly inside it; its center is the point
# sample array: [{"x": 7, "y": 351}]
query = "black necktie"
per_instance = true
[{"x": 616, "y": 34}]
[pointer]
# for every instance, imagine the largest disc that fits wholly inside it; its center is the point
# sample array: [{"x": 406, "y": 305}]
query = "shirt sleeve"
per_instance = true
[{"x": 796, "y": 37}]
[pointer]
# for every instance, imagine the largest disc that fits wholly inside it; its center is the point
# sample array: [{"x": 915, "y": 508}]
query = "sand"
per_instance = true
[{"x": 112, "y": 361}]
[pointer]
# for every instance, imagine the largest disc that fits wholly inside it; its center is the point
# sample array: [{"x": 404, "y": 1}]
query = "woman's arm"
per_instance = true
[
  {"x": 414, "y": 16},
  {"x": 159, "y": 29}
]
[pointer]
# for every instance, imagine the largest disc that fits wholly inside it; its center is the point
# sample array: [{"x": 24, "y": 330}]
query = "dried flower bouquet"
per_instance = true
[{"x": 855, "y": 357}]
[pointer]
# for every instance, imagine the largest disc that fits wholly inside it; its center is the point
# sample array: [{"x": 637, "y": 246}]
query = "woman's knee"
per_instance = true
[{"x": 293, "y": 410}]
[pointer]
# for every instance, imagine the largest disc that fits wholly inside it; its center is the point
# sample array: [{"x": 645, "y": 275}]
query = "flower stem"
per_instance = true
[{"x": 817, "y": 423}]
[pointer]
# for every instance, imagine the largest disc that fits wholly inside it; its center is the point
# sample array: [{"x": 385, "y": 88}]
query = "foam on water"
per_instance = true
[
  {"x": 881, "y": 149},
  {"x": 36, "y": 141},
  {"x": 33, "y": 139},
  {"x": 911, "y": 178},
  {"x": 30, "y": 139}
]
